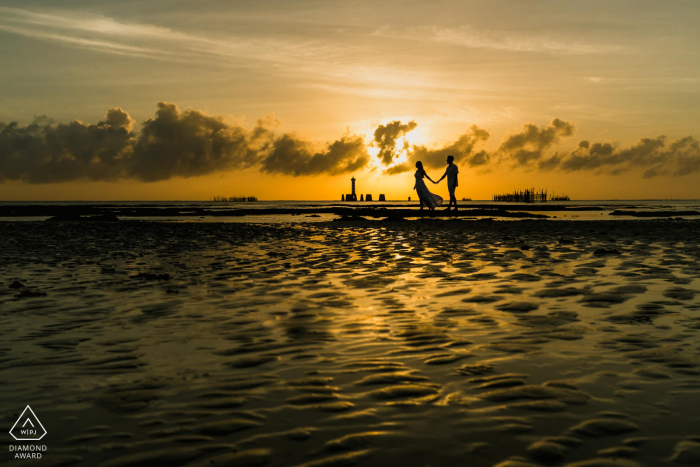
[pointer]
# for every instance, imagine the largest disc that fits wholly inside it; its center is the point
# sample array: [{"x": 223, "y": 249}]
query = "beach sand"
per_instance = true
[{"x": 415, "y": 343}]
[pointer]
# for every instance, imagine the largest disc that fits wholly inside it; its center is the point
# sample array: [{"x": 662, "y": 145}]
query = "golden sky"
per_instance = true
[{"x": 164, "y": 100}]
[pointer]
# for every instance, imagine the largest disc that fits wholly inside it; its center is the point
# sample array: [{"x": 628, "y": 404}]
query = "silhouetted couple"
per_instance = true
[{"x": 429, "y": 199}]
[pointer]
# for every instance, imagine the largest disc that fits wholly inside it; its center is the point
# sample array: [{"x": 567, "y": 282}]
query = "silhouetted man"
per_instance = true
[{"x": 451, "y": 174}]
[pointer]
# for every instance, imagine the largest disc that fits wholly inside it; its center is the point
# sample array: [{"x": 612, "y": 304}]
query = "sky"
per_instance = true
[{"x": 183, "y": 100}]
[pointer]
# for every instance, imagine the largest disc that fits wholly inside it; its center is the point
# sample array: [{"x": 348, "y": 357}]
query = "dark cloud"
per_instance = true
[
  {"x": 292, "y": 156},
  {"x": 399, "y": 169},
  {"x": 529, "y": 145},
  {"x": 175, "y": 143},
  {"x": 192, "y": 143},
  {"x": 650, "y": 155},
  {"x": 385, "y": 137},
  {"x": 43, "y": 152},
  {"x": 462, "y": 150},
  {"x": 118, "y": 118}
]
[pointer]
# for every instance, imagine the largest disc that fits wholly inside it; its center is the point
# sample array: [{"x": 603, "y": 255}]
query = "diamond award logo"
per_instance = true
[{"x": 28, "y": 427}]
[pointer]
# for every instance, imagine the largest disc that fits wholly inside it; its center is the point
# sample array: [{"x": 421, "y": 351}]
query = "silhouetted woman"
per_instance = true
[{"x": 425, "y": 196}]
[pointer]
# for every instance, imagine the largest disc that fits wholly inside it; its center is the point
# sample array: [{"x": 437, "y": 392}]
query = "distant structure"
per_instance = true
[
  {"x": 352, "y": 196},
  {"x": 528, "y": 196},
  {"x": 233, "y": 199}
]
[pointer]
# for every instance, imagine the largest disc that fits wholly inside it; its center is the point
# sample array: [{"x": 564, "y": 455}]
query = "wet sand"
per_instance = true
[{"x": 426, "y": 342}]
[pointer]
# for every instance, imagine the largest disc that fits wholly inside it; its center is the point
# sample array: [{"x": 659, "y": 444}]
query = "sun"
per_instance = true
[
  {"x": 403, "y": 146},
  {"x": 419, "y": 136}
]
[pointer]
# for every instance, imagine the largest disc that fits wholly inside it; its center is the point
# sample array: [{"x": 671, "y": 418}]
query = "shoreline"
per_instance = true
[{"x": 113, "y": 212}]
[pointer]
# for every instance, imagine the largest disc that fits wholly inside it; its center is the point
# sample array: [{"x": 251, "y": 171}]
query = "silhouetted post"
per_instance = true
[{"x": 342, "y": 197}]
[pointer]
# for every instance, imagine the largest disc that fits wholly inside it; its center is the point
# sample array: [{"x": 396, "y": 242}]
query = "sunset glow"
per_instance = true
[{"x": 327, "y": 72}]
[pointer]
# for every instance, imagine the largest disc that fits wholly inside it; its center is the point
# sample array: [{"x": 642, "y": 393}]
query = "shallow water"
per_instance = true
[{"x": 415, "y": 343}]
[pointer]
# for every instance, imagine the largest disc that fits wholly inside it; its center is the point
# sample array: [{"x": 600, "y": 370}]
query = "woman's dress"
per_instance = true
[{"x": 428, "y": 198}]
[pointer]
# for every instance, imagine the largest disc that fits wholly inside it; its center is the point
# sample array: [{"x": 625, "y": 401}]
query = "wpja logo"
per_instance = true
[{"x": 28, "y": 428}]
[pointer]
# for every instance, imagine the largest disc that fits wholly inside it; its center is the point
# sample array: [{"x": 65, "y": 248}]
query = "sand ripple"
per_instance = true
[{"x": 508, "y": 344}]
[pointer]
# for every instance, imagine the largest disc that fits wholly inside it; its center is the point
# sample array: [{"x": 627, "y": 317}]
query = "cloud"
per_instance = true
[
  {"x": 43, "y": 152},
  {"x": 303, "y": 55},
  {"x": 650, "y": 155},
  {"x": 398, "y": 169},
  {"x": 292, "y": 156},
  {"x": 175, "y": 143},
  {"x": 529, "y": 145},
  {"x": 110, "y": 35},
  {"x": 470, "y": 37},
  {"x": 118, "y": 118},
  {"x": 462, "y": 150},
  {"x": 385, "y": 137},
  {"x": 192, "y": 143}
]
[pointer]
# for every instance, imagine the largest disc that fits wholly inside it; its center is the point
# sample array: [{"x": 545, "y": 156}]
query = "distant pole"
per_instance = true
[{"x": 353, "y": 186}]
